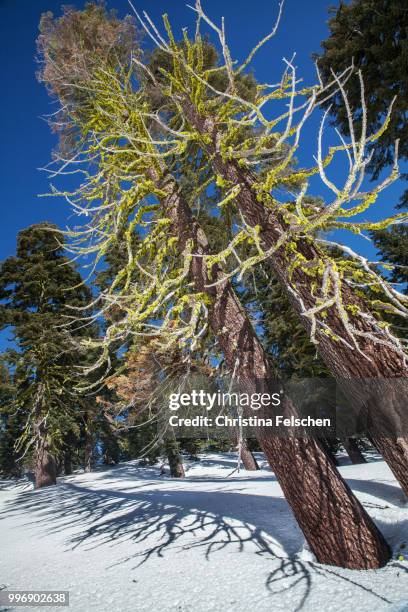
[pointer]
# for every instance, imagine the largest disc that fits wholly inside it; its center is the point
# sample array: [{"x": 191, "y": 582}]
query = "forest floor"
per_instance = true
[{"x": 126, "y": 539}]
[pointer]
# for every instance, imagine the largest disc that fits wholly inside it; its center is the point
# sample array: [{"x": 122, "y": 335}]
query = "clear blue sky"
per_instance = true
[{"x": 26, "y": 142}]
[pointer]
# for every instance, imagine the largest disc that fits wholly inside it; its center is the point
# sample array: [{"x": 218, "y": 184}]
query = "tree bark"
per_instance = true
[
  {"x": 174, "y": 457},
  {"x": 45, "y": 465},
  {"x": 353, "y": 451},
  {"x": 246, "y": 455},
  {"x": 248, "y": 459},
  {"x": 326, "y": 445},
  {"x": 375, "y": 359},
  {"x": 337, "y": 528}
]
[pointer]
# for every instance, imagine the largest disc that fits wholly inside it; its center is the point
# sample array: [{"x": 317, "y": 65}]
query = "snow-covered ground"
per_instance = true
[{"x": 125, "y": 539}]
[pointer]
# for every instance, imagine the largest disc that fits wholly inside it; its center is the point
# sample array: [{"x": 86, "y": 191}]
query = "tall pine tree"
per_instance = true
[
  {"x": 38, "y": 288},
  {"x": 374, "y": 35}
]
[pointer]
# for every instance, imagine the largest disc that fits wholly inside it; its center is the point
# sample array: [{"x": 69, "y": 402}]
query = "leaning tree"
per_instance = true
[
  {"x": 374, "y": 34},
  {"x": 358, "y": 347},
  {"x": 132, "y": 181}
]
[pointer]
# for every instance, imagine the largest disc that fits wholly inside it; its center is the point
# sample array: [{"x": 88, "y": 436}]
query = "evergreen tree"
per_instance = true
[
  {"x": 11, "y": 422},
  {"x": 392, "y": 246},
  {"x": 374, "y": 34},
  {"x": 310, "y": 482},
  {"x": 38, "y": 288}
]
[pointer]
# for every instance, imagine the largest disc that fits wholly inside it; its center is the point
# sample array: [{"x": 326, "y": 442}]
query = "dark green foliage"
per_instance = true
[
  {"x": 393, "y": 248},
  {"x": 374, "y": 34},
  {"x": 139, "y": 441},
  {"x": 159, "y": 61},
  {"x": 38, "y": 288},
  {"x": 283, "y": 334},
  {"x": 191, "y": 446},
  {"x": 36, "y": 285},
  {"x": 11, "y": 422},
  {"x": 392, "y": 245}
]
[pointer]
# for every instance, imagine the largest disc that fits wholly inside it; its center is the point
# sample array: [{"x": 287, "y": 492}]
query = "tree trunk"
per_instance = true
[
  {"x": 174, "y": 458},
  {"x": 67, "y": 463},
  {"x": 58, "y": 466},
  {"x": 353, "y": 451},
  {"x": 337, "y": 528},
  {"x": 45, "y": 463},
  {"x": 248, "y": 459},
  {"x": 88, "y": 451},
  {"x": 395, "y": 453},
  {"x": 375, "y": 359},
  {"x": 45, "y": 466},
  {"x": 328, "y": 449}
]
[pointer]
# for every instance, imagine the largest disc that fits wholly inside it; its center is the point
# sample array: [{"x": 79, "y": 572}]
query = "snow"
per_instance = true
[{"x": 128, "y": 539}]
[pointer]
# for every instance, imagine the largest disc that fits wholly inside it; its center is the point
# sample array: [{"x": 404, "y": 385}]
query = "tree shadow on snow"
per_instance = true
[
  {"x": 296, "y": 575},
  {"x": 158, "y": 515},
  {"x": 151, "y": 473},
  {"x": 387, "y": 492},
  {"x": 164, "y": 515}
]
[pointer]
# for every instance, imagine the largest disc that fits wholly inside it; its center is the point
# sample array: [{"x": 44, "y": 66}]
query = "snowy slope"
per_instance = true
[{"x": 127, "y": 539}]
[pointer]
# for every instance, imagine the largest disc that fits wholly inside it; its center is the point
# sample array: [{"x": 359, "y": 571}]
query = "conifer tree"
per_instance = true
[
  {"x": 358, "y": 347},
  {"x": 373, "y": 34},
  {"x": 185, "y": 291},
  {"x": 11, "y": 422},
  {"x": 38, "y": 288},
  {"x": 392, "y": 247}
]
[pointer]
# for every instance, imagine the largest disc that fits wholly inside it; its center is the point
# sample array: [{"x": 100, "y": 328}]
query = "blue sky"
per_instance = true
[{"x": 26, "y": 142}]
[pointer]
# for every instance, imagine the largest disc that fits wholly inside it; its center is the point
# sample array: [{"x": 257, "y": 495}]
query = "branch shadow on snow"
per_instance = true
[
  {"x": 385, "y": 491},
  {"x": 124, "y": 472},
  {"x": 161, "y": 516},
  {"x": 158, "y": 515}
]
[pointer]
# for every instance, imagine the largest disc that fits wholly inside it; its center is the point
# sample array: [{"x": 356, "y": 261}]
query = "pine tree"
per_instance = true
[
  {"x": 38, "y": 289},
  {"x": 374, "y": 35},
  {"x": 392, "y": 248},
  {"x": 11, "y": 421},
  {"x": 177, "y": 263}
]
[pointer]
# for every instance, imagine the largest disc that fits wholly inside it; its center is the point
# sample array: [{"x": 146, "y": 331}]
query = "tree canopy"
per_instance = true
[{"x": 373, "y": 35}]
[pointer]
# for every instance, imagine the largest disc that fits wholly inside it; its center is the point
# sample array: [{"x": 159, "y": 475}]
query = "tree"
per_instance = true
[
  {"x": 392, "y": 245},
  {"x": 38, "y": 289},
  {"x": 357, "y": 346},
  {"x": 288, "y": 344},
  {"x": 175, "y": 261},
  {"x": 11, "y": 422},
  {"x": 373, "y": 35},
  {"x": 138, "y": 384}
]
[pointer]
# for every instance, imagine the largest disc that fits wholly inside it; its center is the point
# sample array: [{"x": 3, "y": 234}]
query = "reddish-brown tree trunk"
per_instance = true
[
  {"x": 336, "y": 526},
  {"x": 310, "y": 480},
  {"x": 45, "y": 465},
  {"x": 328, "y": 450},
  {"x": 246, "y": 455},
  {"x": 248, "y": 459},
  {"x": 375, "y": 359},
  {"x": 395, "y": 453}
]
